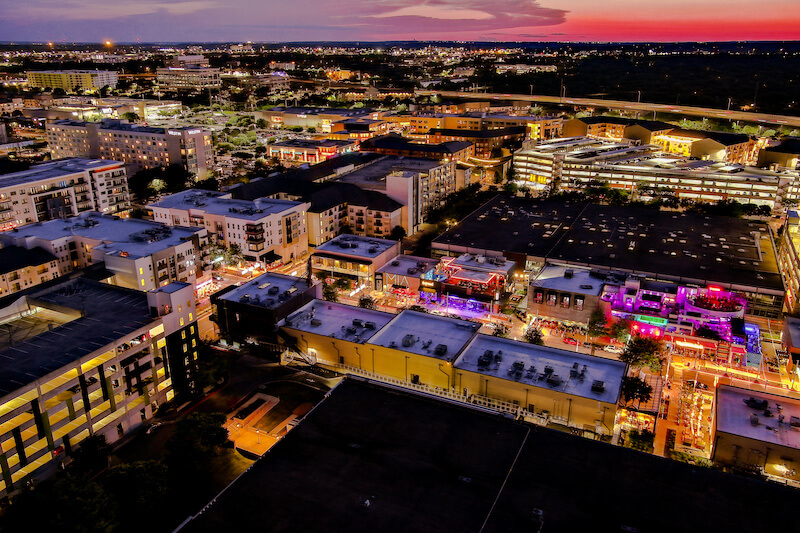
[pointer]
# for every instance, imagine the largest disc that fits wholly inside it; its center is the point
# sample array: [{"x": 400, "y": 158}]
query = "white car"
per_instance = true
[{"x": 613, "y": 349}]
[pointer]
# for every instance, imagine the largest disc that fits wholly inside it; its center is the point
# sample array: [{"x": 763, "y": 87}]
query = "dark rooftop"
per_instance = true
[
  {"x": 789, "y": 145},
  {"x": 95, "y": 322},
  {"x": 373, "y": 458},
  {"x": 15, "y": 257},
  {"x": 664, "y": 244},
  {"x": 393, "y": 141}
]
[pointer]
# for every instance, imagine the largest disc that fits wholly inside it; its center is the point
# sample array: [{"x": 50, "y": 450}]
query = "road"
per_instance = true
[{"x": 622, "y": 105}]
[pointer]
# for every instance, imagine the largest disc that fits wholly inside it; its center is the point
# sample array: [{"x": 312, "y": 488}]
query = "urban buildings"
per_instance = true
[
  {"x": 62, "y": 188},
  {"x": 21, "y": 268},
  {"x": 321, "y": 119},
  {"x": 310, "y": 151},
  {"x": 789, "y": 261},
  {"x": 265, "y": 230},
  {"x": 253, "y": 309},
  {"x": 393, "y": 144},
  {"x": 353, "y": 258},
  {"x": 575, "y": 163},
  {"x": 784, "y": 155},
  {"x": 72, "y": 80},
  {"x": 139, "y": 147},
  {"x": 189, "y": 78},
  {"x": 734, "y": 254},
  {"x": 75, "y": 366},
  {"x": 757, "y": 432},
  {"x": 140, "y": 254},
  {"x": 485, "y": 141}
]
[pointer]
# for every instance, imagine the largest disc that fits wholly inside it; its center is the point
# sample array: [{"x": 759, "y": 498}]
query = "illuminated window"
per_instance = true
[
  {"x": 183, "y": 334},
  {"x": 191, "y": 329},
  {"x": 181, "y": 321},
  {"x": 191, "y": 316}
]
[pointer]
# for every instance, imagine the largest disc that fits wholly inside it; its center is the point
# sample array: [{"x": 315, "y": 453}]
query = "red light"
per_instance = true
[{"x": 714, "y": 288}]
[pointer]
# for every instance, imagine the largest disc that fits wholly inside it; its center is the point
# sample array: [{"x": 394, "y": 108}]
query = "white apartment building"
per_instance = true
[
  {"x": 266, "y": 230},
  {"x": 572, "y": 163},
  {"x": 62, "y": 188},
  {"x": 188, "y": 78},
  {"x": 140, "y": 147},
  {"x": 69, "y": 80},
  {"x": 143, "y": 255}
]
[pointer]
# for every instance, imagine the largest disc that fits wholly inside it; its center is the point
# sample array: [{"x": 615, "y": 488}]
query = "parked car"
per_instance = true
[
  {"x": 570, "y": 340},
  {"x": 153, "y": 428},
  {"x": 611, "y": 348}
]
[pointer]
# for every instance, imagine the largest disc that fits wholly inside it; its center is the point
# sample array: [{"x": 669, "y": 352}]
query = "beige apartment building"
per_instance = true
[
  {"x": 70, "y": 80},
  {"x": 139, "y": 147}
]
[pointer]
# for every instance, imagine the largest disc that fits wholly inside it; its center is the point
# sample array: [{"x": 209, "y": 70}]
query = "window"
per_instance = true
[{"x": 551, "y": 299}]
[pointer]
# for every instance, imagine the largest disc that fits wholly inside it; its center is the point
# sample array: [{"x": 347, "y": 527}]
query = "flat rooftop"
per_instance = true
[
  {"x": 670, "y": 245},
  {"x": 431, "y": 466},
  {"x": 477, "y": 262},
  {"x": 528, "y": 363},
  {"x": 131, "y": 236},
  {"x": 267, "y": 290},
  {"x": 356, "y": 246},
  {"x": 54, "y": 169},
  {"x": 735, "y": 417},
  {"x": 404, "y": 264},
  {"x": 554, "y": 277},
  {"x": 220, "y": 203},
  {"x": 15, "y": 257},
  {"x": 310, "y": 143},
  {"x": 335, "y": 320},
  {"x": 375, "y": 173},
  {"x": 102, "y": 315},
  {"x": 422, "y": 333}
]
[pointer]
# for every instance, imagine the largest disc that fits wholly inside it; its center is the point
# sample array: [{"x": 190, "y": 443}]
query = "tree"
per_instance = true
[
  {"x": 156, "y": 185},
  {"x": 196, "y": 437},
  {"x": 398, "y": 233},
  {"x": 596, "y": 326},
  {"x": 620, "y": 330},
  {"x": 534, "y": 336},
  {"x": 233, "y": 255},
  {"x": 329, "y": 292},
  {"x": 644, "y": 352},
  {"x": 91, "y": 456},
  {"x": 635, "y": 389},
  {"x": 134, "y": 487},
  {"x": 210, "y": 184},
  {"x": 69, "y": 504},
  {"x": 130, "y": 116},
  {"x": 366, "y": 302}
]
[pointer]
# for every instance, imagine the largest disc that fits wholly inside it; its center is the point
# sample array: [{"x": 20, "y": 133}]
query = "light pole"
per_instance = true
[{"x": 729, "y": 104}]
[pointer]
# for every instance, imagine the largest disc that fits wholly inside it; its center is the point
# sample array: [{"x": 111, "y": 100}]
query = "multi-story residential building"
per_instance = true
[
  {"x": 265, "y": 230},
  {"x": 141, "y": 254},
  {"x": 784, "y": 155},
  {"x": 21, "y": 268},
  {"x": 189, "y": 61},
  {"x": 357, "y": 129},
  {"x": 615, "y": 128},
  {"x": 789, "y": 261},
  {"x": 333, "y": 205},
  {"x": 418, "y": 184},
  {"x": 538, "y": 127},
  {"x": 322, "y": 119},
  {"x": 140, "y": 147},
  {"x": 62, "y": 188},
  {"x": 101, "y": 360},
  {"x": 310, "y": 151},
  {"x": 71, "y": 80},
  {"x": 574, "y": 163},
  {"x": 190, "y": 78}
]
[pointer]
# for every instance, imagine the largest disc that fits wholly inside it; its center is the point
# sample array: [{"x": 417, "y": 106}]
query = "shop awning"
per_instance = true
[{"x": 269, "y": 257}]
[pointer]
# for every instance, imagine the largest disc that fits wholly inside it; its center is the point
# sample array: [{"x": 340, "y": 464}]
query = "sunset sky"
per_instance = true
[{"x": 379, "y": 20}]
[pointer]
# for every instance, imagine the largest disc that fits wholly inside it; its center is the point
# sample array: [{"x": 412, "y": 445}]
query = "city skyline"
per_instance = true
[{"x": 473, "y": 20}]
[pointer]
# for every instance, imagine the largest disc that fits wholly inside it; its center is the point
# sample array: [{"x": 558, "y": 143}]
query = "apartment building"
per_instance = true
[
  {"x": 141, "y": 254},
  {"x": 789, "y": 261},
  {"x": 333, "y": 205},
  {"x": 394, "y": 144},
  {"x": 100, "y": 361},
  {"x": 573, "y": 163},
  {"x": 418, "y": 184},
  {"x": 71, "y": 80},
  {"x": 320, "y": 118},
  {"x": 189, "y": 78},
  {"x": 139, "y": 147},
  {"x": 21, "y": 268},
  {"x": 265, "y": 230},
  {"x": 785, "y": 154},
  {"x": 538, "y": 127},
  {"x": 62, "y": 188},
  {"x": 484, "y": 140},
  {"x": 354, "y": 258}
]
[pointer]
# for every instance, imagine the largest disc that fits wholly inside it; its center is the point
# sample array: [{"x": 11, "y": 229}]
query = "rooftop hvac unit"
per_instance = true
[
  {"x": 440, "y": 349},
  {"x": 554, "y": 380},
  {"x": 316, "y": 322},
  {"x": 598, "y": 386},
  {"x": 408, "y": 340},
  {"x": 369, "y": 325},
  {"x": 357, "y": 322}
]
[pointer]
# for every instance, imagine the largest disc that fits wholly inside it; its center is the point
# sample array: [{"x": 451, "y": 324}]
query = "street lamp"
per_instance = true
[{"x": 729, "y": 103}]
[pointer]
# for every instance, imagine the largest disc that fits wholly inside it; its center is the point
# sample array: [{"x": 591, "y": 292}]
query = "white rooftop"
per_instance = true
[
  {"x": 54, "y": 169},
  {"x": 267, "y": 290},
  {"x": 528, "y": 363},
  {"x": 555, "y": 278},
  {"x": 404, "y": 264},
  {"x": 220, "y": 203},
  {"x": 356, "y": 246},
  {"x": 736, "y": 417},
  {"x": 421, "y": 333},
  {"x": 338, "y": 321},
  {"x": 136, "y": 238},
  {"x": 498, "y": 265}
]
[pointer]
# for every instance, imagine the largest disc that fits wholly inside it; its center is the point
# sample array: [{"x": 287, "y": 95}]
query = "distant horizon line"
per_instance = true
[{"x": 358, "y": 42}]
